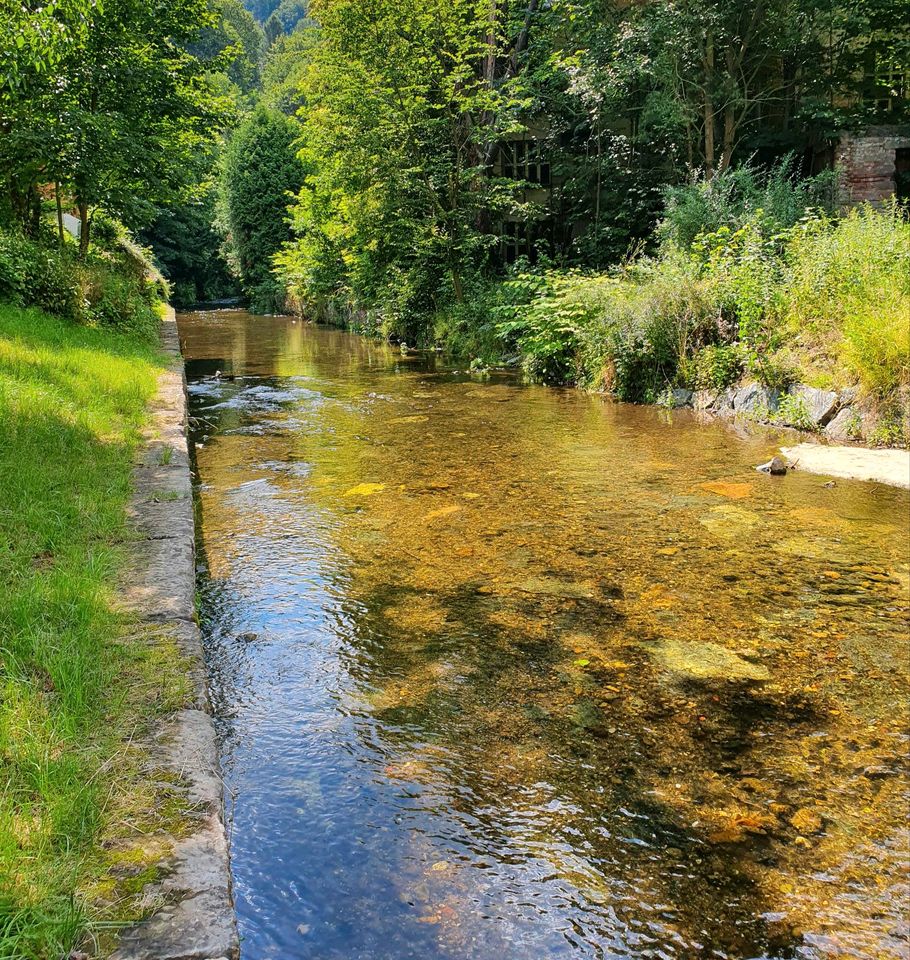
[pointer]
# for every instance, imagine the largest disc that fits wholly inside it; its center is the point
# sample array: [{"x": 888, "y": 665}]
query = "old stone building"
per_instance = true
[{"x": 874, "y": 164}]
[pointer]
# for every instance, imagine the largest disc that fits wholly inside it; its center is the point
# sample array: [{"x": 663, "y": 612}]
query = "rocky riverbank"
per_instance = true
[{"x": 839, "y": 417}]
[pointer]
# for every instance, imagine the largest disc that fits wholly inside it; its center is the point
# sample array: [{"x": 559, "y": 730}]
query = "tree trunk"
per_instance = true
[
  {"x": 457, "y": 285},
  {"x": 729, "y": 136},
  {"x": 490, "y": 61},
  {"x": 34, "y": 211},
  {"x": 709, "y": 106},
  {"x": 85, "y": 226},
  {"x": 59, "y": 213}
]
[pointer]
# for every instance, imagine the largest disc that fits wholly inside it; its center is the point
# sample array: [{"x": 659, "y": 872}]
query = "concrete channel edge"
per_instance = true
[{"x": 193, "y": 916}]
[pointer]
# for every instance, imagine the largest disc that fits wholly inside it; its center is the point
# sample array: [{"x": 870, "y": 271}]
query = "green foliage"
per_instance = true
[
  {"x": 794, "y": 411},
  {"x": 188, "y": 247},
  {"x": 117, "y": 287},
  {"x": 825, "y": 299},
  {"x": 769, "y": 201},
  {"x": 261, "y": 173},
  {"x": 34, "y": 274},
  {"x": 713, "y": 367},
  {"x": 398, "y": 133},
  {"x": 848, "y": 296},
  {"x": 746, "y": 272},
  {"x": 285, "y": 68},
  {"x": 288, "y": 13},
  {"x": 116, "y": 114},
  {"x": 235, "y": 42}
]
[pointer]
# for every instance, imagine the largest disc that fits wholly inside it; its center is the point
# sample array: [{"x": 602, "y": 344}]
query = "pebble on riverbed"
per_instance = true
[{"x": 775, "y": 466}]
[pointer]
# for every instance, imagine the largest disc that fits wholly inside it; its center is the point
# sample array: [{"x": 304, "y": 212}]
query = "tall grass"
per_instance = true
[
  {"x": 72, "y": 401},
  {"x": 846, "y": 299}
]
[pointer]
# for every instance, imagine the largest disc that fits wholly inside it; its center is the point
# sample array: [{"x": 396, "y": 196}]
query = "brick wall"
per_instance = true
[{"x": 866, "y": 163}]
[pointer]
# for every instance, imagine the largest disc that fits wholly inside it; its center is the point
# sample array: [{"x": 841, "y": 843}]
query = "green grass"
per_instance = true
[{"x": 72, "y": 402}]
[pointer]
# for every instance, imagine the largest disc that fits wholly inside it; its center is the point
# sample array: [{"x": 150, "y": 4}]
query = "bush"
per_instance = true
[
  {"x": 32, "y": 274},
  {"x": 825, "y": 301},
  {"x": 119, "y": 301},
  {"x": 846, "y": 302},
  {"x": 119, "y": 288},
  {"x": 745, "y": 268},
  {"x": 714, "y": 367},
  {"x": 544, "y": 314},
  {"x": 776, "y": 199}
]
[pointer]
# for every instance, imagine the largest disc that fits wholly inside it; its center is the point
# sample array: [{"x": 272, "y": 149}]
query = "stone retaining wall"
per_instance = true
[
  {"x": 835, "y": 416},
  {"x": 191, "y": 907}
]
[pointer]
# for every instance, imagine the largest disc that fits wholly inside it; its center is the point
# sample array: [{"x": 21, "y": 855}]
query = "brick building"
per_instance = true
[{"x": 874, "y": 164}]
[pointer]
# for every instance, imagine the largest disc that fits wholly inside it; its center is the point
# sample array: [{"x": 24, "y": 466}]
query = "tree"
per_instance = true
[
  {"x": 235, "y": 43},
  {"x": 34, "y": 39},
  {"x": 260, "y": 175},
  {"x": 405, "y": 101},
  {"x": 116, "y": 111},
  {"x": 138, "y": 107}
]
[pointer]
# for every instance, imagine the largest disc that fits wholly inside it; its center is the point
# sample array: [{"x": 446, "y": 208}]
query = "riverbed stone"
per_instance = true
[
  {"x": 776, "y": 466},
  {"x": 705, "y": 661},
  {"x": 820, "y": 405}
]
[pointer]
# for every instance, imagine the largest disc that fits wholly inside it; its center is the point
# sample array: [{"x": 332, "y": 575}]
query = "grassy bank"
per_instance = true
[
  {"x": 72, "y": 402},
  {"x": 823, "y": 301}
]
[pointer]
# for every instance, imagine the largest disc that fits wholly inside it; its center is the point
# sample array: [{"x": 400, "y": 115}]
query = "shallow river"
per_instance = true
[{"x": 512, "y": 673}]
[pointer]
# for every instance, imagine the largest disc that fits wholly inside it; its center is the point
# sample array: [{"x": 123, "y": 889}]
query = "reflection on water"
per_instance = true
[{"x": 508, "y": 672}]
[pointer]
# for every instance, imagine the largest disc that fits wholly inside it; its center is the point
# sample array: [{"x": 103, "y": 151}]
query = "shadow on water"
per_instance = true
[{"x": 503, "y": 671}]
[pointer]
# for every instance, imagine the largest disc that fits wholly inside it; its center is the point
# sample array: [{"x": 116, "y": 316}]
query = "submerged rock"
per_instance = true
[
  {"x": 729, "y": 521},
  {"x": 705, "y": 661},
  {"x": 775, "y": 466},
  {"x": 806, "y": 820}
]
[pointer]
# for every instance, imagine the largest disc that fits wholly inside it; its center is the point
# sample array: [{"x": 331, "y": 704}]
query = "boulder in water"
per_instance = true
[{"x": 776, "y": 466}]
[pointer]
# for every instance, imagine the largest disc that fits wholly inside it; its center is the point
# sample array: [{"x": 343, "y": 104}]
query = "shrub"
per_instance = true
[
  {"x": 777, "y": 198},
  {"x": 846, "y": 304},
  {"x": 32, "y": 274},
  {"x": 714, "y": 367},
  {"x": 745, "y": 268},
  {"x": 119, "y": 301},
  {"x": 657, "y": 314},
  {"x": 794, "y": 412},
  {"x": 118, "y": 288}
]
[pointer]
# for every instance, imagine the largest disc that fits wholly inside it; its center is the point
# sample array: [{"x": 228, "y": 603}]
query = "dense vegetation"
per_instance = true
[{"x": 465, "y": 171}]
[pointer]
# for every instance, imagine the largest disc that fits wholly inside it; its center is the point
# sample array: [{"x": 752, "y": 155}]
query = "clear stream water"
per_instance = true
[{"x": 515, "y": 673}]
